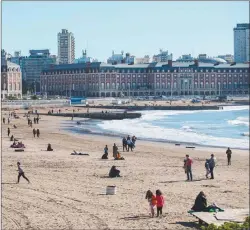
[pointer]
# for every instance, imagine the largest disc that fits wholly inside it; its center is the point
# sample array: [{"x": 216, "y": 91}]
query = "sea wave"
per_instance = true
[
  {"x": 246, "y": 134},
  {"x": 240, "y": 121},
  {"x": 145, "y": 130}
]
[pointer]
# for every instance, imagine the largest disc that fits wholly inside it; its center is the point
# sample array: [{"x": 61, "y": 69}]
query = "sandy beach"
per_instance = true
[{"x": 68, "y": 192}]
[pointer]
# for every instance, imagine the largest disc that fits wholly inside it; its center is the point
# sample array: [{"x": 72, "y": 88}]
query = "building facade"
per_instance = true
[
  {"x": 229, "y": 58},
  {"x": 171, "y": 78},
  {"x": 33, "y": 65},
  {"x": 185, "y": 58},
  {"x": 66, "y": 47},
  {"x": 11, "y": 78},
  {"x": 163, "y": 56},
  {"x": 241, "y": 43},
  {"x": 144, "y": 60}
]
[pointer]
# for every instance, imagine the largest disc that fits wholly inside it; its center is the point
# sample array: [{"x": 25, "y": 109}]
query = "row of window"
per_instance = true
[{"x": 146, "y": 71}]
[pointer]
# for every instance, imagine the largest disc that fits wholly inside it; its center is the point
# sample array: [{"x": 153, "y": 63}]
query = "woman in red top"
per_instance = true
[{"x": 160, "y": 202}]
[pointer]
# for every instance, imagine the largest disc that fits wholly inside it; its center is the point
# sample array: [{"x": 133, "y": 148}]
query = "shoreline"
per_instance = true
[{"x": 100, "y": 133}]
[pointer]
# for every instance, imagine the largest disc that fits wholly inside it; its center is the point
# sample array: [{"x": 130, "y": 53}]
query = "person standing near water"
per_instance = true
[
  {"x": 229, "y": 154},
  {"x": 188, "y": 167},
  {"x": 21, "y": 173},
  {"x": 212, "y": 165}
]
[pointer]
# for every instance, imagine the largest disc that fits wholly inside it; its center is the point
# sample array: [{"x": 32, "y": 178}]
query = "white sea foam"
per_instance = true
[
  {"x": 145, "y": 130},
  {"x": 240, "y": 121}
]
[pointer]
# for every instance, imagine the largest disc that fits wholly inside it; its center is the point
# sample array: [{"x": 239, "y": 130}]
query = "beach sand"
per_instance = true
[{"x": 68, "y": 192}]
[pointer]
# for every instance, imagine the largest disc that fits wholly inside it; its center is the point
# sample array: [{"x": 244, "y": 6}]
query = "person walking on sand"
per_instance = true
[
  {"x": 8, "y": 120},
  {"x": 229, "y": 155},
  {"x": 21, "y": 173},
  {"x": 152, "y": 202},
  {"x": 34, "y": 132},
  {"x": 4, "y": 120},
  {"x": 160, "y": 202},
  {"x": 8, "y": 132},
  {"x": 34, "y": 120},
  {"x": 188, "y": 167},
  {"x": 212, "y": 165},
  {"x": 38, "y": 133}
]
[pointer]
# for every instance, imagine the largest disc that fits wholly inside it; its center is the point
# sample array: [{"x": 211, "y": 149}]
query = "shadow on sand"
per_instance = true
[
  {"x": 188, "y": 224},
  {"x": 176, "y": 181},
  {"x": 9, "y": 183},
  {"x": 140, "y": 217}
]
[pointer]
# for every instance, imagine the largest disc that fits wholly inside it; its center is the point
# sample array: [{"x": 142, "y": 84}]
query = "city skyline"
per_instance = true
[{"x": 179, "y": 27}]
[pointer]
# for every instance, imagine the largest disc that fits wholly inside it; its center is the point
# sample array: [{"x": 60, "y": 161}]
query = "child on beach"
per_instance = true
[
  {"x": 152, "y": 202},
  {"x": 160, "y": 202},
  {"x": 21, "y": 173},
  {"x": 207, "y": 167}
]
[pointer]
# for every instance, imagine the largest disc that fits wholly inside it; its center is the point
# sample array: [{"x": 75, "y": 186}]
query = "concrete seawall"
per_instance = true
[
  {"x": 99, "y": 116},
  {"x": 137, "y": 108}
]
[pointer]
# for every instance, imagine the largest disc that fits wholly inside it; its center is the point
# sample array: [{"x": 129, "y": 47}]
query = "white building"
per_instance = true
[
  {"x": 229, "y": 58},
  {"x": 163, "y": 56},
  {"x": 66, "y": 47},
  {"x": 241, "y": 43},
  {"x": 143, "y": 60},
  {"x": 11, "y": 78}
]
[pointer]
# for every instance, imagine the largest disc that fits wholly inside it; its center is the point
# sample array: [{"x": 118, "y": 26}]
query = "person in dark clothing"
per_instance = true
[
  {"x": 115, "y": 150},
  {"x": 49, "y": 148},
  {"x": 37, "y": 120},
  {"x": 114, "y": 172},
  {"x": 12, "y": 138},
  {"x": 188, "y": 167},
  {"x": 8, "y": 132},
  {"x": 212, "y": 165},
  {"x": 229, "y": 154},
  {"x": 34, "y": 120},
  {"x": 124, "y": 144},
  {"x": 38, "y": 133},
  {"x": 200, "y": 203},
  {"x": 34, "y": 132},
  {"x": 8, "y": 120},
  {"x": 21, "y": 173},
  {"x": 105, "y": 155},
  {"x": 4, "y": 120}
]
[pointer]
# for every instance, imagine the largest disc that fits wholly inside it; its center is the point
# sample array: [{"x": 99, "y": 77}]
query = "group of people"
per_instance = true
[
  {"x": 17, "y": 145},
  {"x": 36, "y": 119},
  {"x": 4, "y": 120},
  {"x": 128, "y": 143},
  {"x": 36, "y": 132},
  {"x": 116, "y": 153},
  {"x": 209, "y": 165},
  {"x": 156, "y": 200}
]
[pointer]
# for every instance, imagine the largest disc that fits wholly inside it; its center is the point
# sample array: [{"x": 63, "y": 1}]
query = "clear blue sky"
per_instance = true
[{"x": 137, "y": 27}]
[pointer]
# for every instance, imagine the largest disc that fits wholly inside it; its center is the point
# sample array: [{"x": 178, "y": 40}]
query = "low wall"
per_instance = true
[
  {"x": 138, "y": 108},
  {"x": 99, "y": 116}
]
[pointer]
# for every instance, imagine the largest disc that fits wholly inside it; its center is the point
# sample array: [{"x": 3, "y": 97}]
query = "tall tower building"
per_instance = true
[
  {"x": 241, "y": 42},
  {"x": 66, "y": 47}
]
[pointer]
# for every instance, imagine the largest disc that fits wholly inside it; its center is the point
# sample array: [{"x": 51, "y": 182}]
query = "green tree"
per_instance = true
[{"x": 229, "y": 226}]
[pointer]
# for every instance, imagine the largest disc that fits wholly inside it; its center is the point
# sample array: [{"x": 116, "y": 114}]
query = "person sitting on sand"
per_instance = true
[
  {"x": 114, "y": 172},
  {"x": 49, "y": 148},
  {"x": 152, "y": 202},
  {"x": 14, "y": 126},
  {"x": 119, "y": 157},
  {"x": 200, "y": 203},
  {"x": 105, "y": 155}
]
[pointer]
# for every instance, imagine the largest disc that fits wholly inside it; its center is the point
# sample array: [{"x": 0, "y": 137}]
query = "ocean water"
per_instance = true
[{"x": 221, "y": 128}]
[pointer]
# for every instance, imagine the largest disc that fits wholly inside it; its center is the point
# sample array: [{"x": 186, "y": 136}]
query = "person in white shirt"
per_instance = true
[{"x": 21, "y": 173}]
